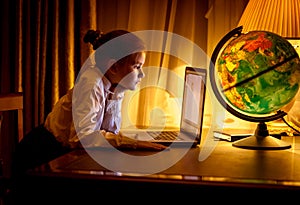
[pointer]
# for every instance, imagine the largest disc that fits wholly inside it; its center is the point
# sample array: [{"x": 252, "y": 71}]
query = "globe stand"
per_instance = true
[{"x": 261, "y": 140}]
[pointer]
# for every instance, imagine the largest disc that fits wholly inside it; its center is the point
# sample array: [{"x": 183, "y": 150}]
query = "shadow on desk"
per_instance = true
[{"x": 229, "y": 172}]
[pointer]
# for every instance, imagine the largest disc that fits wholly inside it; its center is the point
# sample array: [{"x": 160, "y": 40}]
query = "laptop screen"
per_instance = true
[{"x": 193, "y": 101}]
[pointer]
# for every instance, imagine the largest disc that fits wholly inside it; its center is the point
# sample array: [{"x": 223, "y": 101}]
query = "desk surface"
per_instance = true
[
  {"x": 226, "y": 165},
  {"x": 227, "y": 171}
]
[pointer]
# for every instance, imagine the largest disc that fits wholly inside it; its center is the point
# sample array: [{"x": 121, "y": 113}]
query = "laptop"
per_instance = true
[{"x": 189, "y": 133}]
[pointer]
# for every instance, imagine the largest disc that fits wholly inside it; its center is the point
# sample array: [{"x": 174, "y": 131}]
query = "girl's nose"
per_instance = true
[{"x": 141, "y": 73}]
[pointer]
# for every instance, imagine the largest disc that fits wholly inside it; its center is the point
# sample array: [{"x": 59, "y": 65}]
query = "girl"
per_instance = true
[{"x": 89, "y": 114}]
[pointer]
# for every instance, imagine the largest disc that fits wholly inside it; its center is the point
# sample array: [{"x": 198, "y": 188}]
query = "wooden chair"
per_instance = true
[{"x": 14, "y": 101}]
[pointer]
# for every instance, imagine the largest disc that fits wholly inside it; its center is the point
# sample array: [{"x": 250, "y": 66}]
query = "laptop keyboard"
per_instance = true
[{"x": 164, "y": 135}]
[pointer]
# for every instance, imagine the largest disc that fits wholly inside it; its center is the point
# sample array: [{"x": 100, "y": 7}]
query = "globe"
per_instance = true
[
  {"x": 248, "y": 59},
  {"x": 255, "y": 76}
]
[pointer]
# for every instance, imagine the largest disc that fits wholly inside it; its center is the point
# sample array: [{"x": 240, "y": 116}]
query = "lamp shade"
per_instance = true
[{"x": 278, "y": 16}]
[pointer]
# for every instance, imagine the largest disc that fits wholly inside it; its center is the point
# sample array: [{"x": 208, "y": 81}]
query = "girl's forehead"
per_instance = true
[{"x": 138, "y": 57}]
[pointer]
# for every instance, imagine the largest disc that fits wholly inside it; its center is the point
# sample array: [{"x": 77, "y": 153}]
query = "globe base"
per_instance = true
[{"x": 261, "y": 140}]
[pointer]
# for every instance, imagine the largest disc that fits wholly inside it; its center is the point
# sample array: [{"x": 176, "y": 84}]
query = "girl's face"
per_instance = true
[{"x": 131, "y": 72}]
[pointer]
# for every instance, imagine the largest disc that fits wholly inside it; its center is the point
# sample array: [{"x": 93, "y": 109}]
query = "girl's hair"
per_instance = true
[
  {"x": 116, "y": 44},
  {"x": 92, "y": 37}
]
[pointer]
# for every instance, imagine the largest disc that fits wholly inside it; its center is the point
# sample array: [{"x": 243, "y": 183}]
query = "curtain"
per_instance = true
[
  {"x": 45, "y": 51},
  {"x": 222, "y": 16}
]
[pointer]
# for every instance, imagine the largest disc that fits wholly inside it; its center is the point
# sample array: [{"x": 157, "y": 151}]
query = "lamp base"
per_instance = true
[{"x": 261, "y": 140}]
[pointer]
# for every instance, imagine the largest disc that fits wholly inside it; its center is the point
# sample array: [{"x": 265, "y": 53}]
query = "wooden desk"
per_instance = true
[{"x": 227, "y": 172}]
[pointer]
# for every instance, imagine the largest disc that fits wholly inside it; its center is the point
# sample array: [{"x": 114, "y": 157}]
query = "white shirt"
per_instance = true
[{"x": 86, "y": 108}]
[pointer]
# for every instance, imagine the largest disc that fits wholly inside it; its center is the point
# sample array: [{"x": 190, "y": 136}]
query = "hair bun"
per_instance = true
[{"x": 92, "y": 37}]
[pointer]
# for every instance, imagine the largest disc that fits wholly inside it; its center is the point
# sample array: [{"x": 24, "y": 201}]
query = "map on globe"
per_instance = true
[{"x": 258, "y": 72}]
